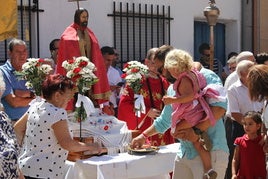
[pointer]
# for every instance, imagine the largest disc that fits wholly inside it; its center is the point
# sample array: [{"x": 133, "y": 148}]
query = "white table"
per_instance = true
[{"x": 125, "y": 166}]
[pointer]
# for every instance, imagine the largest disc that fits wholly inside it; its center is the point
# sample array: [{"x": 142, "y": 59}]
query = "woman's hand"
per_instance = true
[
  {"x": 95, "y": 148},
  {"x": 138, "y": 142},
  {"x": 185, "y": 134},
  {"x": 234, "y": 177},
  {"x": 153, "y": 113}
]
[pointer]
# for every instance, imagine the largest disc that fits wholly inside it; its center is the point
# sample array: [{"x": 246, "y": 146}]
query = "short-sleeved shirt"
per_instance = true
[
  {"x": 231, "y": 79},
  {"x": 41, "y": 155},
  {"x": 239, "y": 100},
  {"x": 12, "y": 84},
  {"x": 252, "y": 158},
  {"x": 9, "y": 149},
  {"x": 216, "y": 132}
]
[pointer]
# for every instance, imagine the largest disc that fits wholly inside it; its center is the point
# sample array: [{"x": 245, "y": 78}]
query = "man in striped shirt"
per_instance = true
[{"x": 204, "y": 50}]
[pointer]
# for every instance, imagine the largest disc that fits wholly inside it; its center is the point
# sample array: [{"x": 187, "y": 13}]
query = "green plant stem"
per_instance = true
[{"x": 81, "y": 115}]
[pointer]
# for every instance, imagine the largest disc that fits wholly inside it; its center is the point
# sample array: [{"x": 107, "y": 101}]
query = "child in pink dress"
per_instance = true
[{"x": 190, "y": 104}]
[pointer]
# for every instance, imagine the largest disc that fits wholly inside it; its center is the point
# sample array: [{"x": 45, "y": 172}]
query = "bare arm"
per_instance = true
[
  {"x": 16, "y": 101},
  {"x": 235, "y": 162},
  {"x": 189, "y": 134},
  {"x": 23, "y": 93},
  {"x": 238, "y": 117},
  {"x": 217, "y": 112},
  {"x": 20, "y": 128},
  {"x": 138, "y": 141},
  {"x": 186, "y": 93},
  {"x": 65, "y": 140}
]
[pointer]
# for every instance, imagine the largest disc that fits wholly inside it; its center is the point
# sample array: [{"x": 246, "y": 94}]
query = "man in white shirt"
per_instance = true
[
  {"x": 233, "y": 77},
  {"x": 238, "y": 104},
  {"x": 114, "y": 78}
]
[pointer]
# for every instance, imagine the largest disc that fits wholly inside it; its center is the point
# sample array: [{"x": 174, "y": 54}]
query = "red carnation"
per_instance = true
[
  {"x": 124, "y": 75},
  {"x": 71, "y": 61},
  {"x": 83, "y": 64},
  {"x": 135, "y": 70},
  {"x": 77, "y": 70},
  {"x": 41, "y": 60},
  {"x": 77, "y": 76},
  {"x": 126, "y": 65}
]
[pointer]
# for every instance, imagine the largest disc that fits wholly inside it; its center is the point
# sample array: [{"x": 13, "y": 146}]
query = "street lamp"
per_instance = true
[{"x": 211, "y": 12}]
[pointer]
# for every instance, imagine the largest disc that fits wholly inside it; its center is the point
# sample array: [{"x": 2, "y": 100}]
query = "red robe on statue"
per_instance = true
[
  {"x": 126, "y": 111},
  {"x": 69, "y": 48}
]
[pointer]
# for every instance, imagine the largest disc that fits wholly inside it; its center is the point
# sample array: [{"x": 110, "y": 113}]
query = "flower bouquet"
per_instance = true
[
  {"x": 135, "y": 73},
  {"x": 34, "y": 71},
  {"x": 81, "y": 71}
]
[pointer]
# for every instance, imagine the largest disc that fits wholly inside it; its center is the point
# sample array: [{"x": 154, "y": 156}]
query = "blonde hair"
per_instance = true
[{"x": 178, "y": 59}]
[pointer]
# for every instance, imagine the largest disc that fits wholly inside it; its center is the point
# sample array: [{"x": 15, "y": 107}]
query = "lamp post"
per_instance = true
[{"x": 211, "y": 12}]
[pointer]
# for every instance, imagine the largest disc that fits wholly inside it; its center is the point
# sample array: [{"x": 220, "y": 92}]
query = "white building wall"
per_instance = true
[{"x": 58, "y": 14}]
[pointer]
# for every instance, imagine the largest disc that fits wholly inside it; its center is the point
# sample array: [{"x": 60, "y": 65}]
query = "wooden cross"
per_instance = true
[{"x": 77, "y": 2}]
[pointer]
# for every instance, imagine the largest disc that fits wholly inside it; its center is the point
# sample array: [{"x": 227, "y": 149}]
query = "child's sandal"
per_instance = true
[
  {"x": 211, "y": 174},
  {"x": 203, "y": 138},
  {"x": 205, "y": 141}
]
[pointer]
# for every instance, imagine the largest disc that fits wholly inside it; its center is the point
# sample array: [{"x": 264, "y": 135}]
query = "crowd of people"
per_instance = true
[{"x": 219, "y": 117}]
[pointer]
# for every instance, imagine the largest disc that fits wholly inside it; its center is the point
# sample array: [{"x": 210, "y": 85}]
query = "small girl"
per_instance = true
[
  {"x": 189, "y": 105},
  {"x": 249, "y": 157}
]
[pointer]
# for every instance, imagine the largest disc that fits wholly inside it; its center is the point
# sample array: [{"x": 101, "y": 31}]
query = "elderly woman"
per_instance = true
[
  {"x": 43, "y": 132},
  {"x": 258, "y": 87},
  {"x": 9, "y": 148}
]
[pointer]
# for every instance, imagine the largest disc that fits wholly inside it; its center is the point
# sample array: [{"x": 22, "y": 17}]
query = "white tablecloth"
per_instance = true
[{"x": 124, "y": 165}]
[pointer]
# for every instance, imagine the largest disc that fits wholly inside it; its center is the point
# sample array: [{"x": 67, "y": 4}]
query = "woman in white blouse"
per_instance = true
[{"x": 43, "y": 132}]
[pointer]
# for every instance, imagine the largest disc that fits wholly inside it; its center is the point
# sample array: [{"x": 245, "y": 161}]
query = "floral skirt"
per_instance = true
[{"x": 8, "y": 149}]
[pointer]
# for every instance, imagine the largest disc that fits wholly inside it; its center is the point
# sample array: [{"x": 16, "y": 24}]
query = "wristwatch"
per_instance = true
[{"x": 197, "y": 131}]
